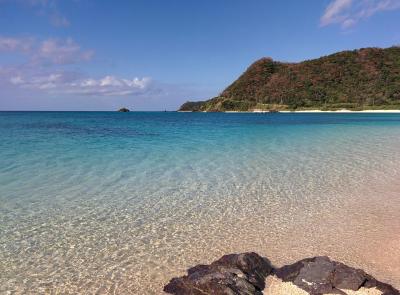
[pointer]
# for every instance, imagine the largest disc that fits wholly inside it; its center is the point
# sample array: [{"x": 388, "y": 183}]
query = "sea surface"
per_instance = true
[{"x": 118, "y": 203}]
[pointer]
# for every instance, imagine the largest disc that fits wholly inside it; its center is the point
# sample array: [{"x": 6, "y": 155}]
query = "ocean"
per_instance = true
[{"x": 119, "y": 203}]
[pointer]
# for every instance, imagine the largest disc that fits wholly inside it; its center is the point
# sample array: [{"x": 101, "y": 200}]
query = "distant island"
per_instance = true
[
  {"x": 363, "y": 79},
  {"x": 123, "y": 110}
]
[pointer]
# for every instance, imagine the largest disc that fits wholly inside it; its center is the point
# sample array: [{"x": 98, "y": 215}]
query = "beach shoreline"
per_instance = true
[
  {"x": 344, "y": 111},
  {"x": 305, "y": 111},
  {"x": 334, "y": 112}
]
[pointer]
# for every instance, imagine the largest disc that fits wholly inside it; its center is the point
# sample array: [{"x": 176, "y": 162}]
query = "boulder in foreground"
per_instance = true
[
  {"x": 246, "y": 273},
  {"x": 232, "y": 274},
  {"x": 320, "y": 275}
]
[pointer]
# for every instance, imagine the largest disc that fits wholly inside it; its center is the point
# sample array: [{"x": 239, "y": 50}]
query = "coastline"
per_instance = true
[
  {"x": 344, "y": 111},
  {"x": 304, "y": 111}
]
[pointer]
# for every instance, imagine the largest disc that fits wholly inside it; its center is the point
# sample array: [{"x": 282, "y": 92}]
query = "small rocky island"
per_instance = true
[
  {"x": 249, "y": 273},
  {"x": 123, "y": 110}
]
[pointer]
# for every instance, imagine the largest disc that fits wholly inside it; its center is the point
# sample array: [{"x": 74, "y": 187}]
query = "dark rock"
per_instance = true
[
  {"x": 232, "y": 274},
  {"x": 345, "y": 277},
  {"x": 245, "y": 274},
  {"x": 320, "y": 275},
  {"x": 123, "y": 110},
  {"x": 316, "y": 276},
  {"x": 385, "y": 288}
]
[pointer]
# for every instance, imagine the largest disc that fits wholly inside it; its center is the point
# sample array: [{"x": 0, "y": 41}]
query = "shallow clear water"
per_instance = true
[{"x": 119, "y": 203}]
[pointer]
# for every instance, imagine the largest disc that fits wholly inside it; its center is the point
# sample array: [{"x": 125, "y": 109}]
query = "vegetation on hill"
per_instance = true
[
  {"x": 367, "y": 78},
  {"x": 194, "y": 106}
]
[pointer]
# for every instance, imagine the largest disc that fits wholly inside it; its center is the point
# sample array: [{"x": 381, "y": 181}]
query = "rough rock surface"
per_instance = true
[
  {"x": 246, "y": 273},
  {"x": 232, "y": 274},
  {"x": 320, "y": 275}
]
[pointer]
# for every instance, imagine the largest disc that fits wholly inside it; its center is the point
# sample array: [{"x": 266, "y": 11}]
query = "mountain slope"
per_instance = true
[{"x": 367, "y": 78}]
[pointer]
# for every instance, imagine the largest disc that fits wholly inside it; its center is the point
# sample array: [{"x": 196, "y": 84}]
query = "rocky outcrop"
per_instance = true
[
  {"x": 123, "y": 110},
  {"x": 320, "y": 275},
  {"x": 246, "y": 273},
  {"x": 232, "y": 274}
]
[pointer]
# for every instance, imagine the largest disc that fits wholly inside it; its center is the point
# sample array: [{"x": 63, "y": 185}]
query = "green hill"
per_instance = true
[{"x": 367, "y": 78}]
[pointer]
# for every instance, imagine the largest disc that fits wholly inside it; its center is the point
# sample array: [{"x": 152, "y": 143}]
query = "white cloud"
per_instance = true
[
  {"x": 46, "y": 8},
  {"x": 347, "y": 13},
  {"x": 15, "y": 44},
  {"x": 110, "y": 86},
  {"x": 17, "y": 80},
  {"x": 73, "y": 83},
  {"x": 58, "y": 20},
  {"x": 348, "y": 23},
  {"x": 46, "y": 66},
  {"x": 61, "y": 52},
  {"x": 49, "y": 51},
  {"x": 333, "y": 13}
]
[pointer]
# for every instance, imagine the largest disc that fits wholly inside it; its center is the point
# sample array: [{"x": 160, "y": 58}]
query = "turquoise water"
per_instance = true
[{"x": 120, "y": 202}]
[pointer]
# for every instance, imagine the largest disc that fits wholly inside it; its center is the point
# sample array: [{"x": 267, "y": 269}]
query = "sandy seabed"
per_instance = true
[
  {"x": 117, "y": 225},
  {"x": 363, "y": 234}
]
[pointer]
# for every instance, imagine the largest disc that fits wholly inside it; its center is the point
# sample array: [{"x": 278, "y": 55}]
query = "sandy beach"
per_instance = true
[
  {"x": 345, "y": 111},
  {"x": 337, "y": 111}
]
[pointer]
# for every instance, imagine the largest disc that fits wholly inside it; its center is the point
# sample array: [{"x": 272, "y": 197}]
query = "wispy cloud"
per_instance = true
[
  {"x": 46, "y": 8},
  {"x": 48, "y": 51},
  {"x": 47, "y": 65},
  {"x": 347, "y": 13},
  {"x": 61, "y": 52},
  {"x": 59, "y": 20},
  {"x": 9, "y": 44},
  {"x": 334, "y": 11}
]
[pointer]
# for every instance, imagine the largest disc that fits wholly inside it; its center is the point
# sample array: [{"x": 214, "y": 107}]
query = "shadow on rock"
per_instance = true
[{"x": 245, "y": 274}]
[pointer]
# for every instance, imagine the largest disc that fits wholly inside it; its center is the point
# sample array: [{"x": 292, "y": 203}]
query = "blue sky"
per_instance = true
[{"x": 156, "y": 54}]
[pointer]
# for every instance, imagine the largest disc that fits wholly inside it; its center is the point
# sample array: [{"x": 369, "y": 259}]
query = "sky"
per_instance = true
[{"x": 156, "y": 54}]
